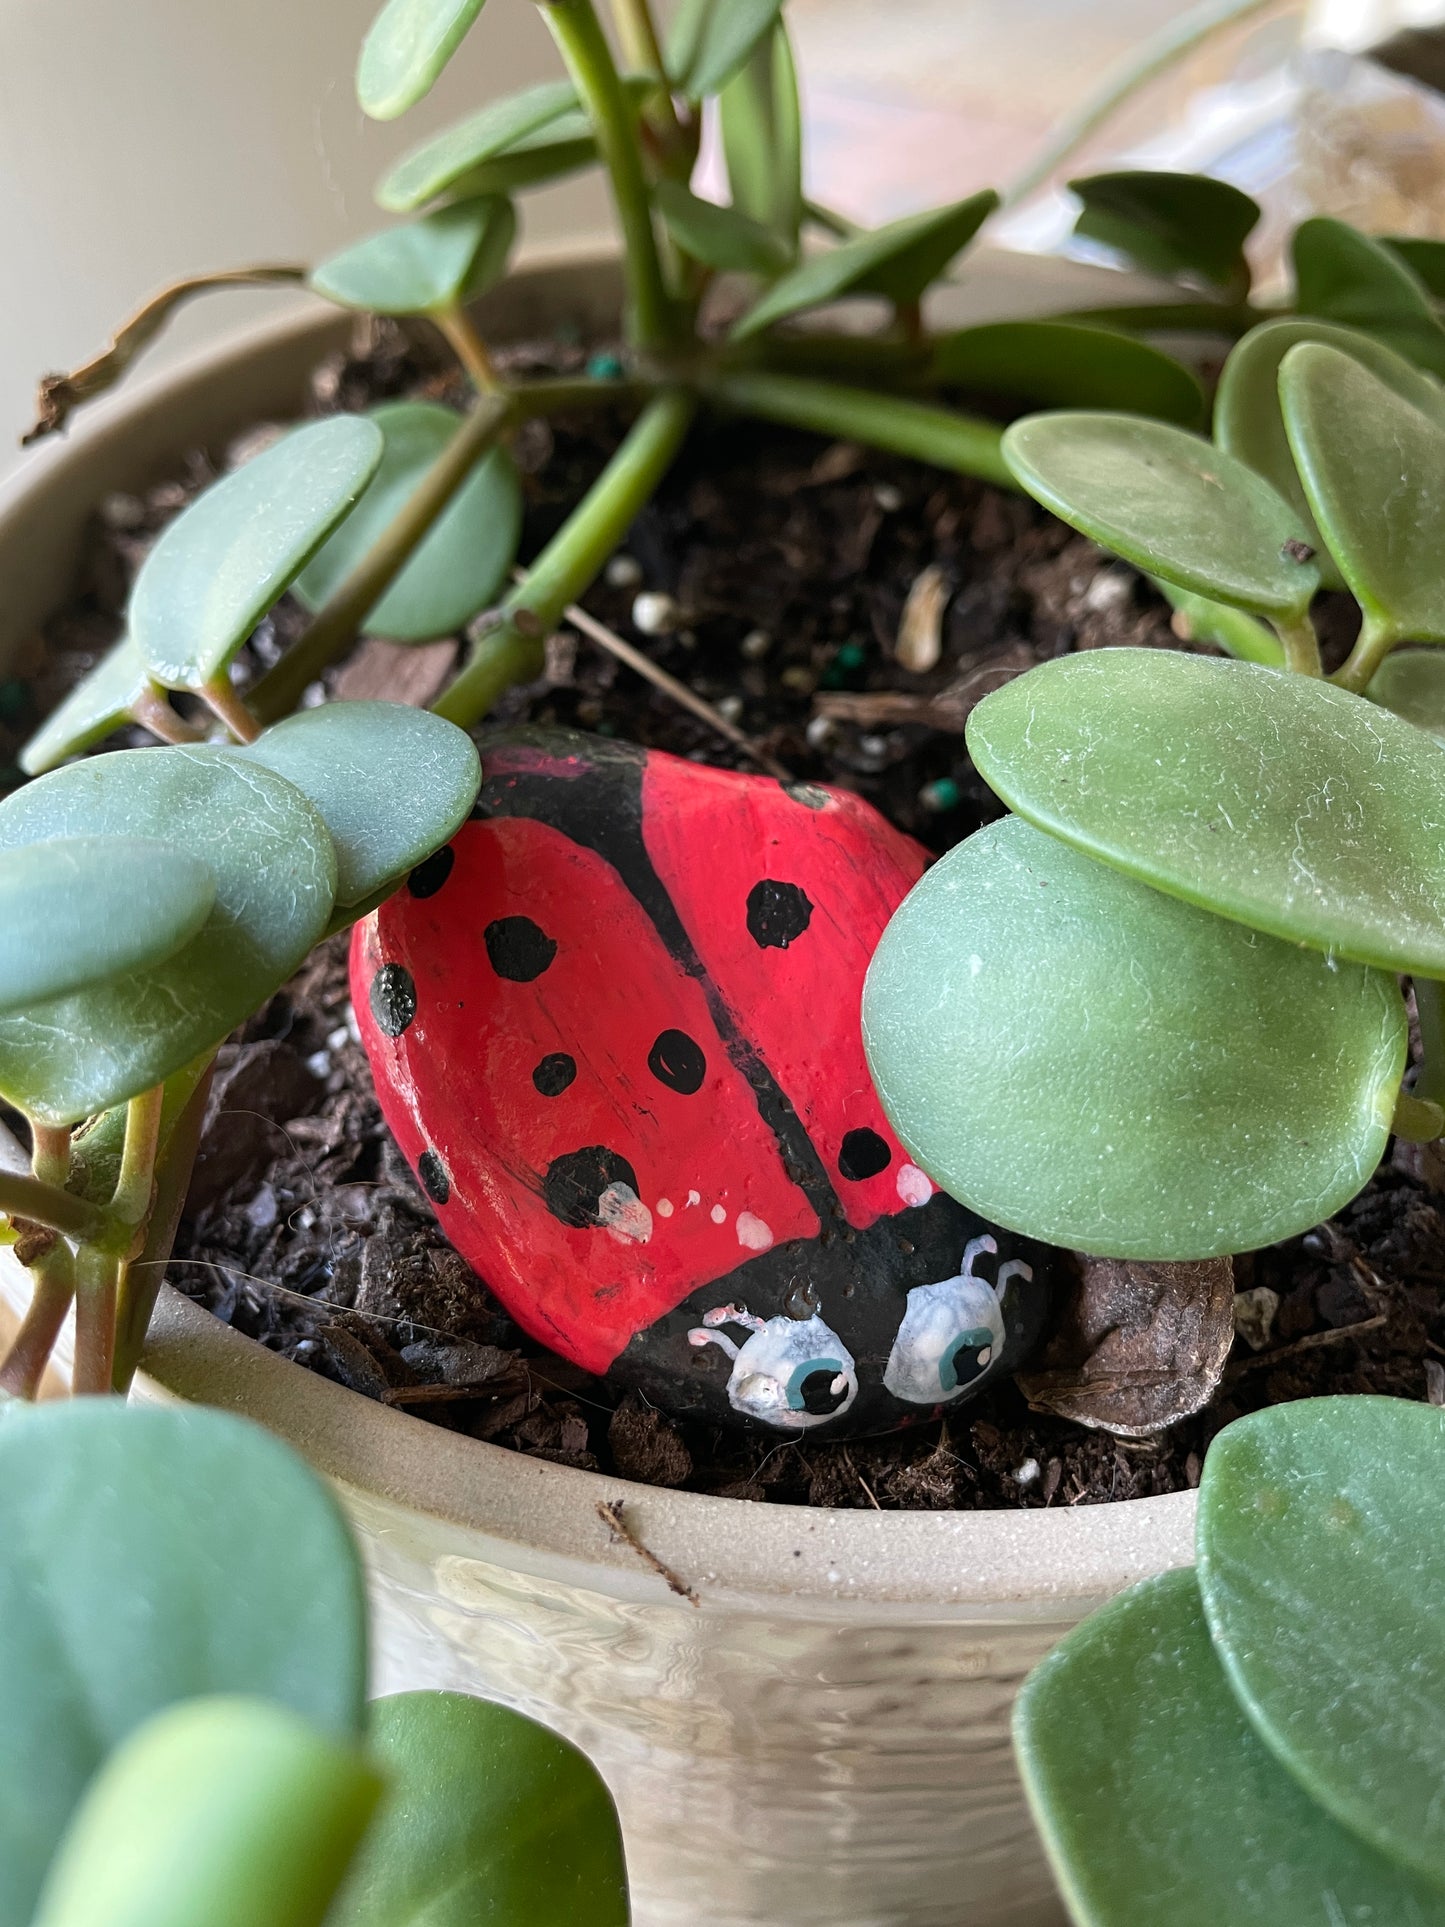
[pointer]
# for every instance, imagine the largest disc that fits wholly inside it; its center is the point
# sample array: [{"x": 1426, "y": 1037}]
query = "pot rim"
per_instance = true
[{"x": 1035, "y": 1564}]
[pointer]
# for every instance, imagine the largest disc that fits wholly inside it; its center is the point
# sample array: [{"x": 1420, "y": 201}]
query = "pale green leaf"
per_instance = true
[
  {"x": 1373, "y": 469},
  {"x": 80, "y": 910},
  {"x": 391, "y": 783},
  {"x": 1247, "y": 418},
  {"x": 227, "y": 1811},
  {"x": 491, "y": 1819},
  {"x": 760, "y": 120},
  {"x": 1090, "y": 1062},
  {"x": 408, "y": 44},
  {"x": 1272, "y": 798},
  {"x": 719, "y": 237},
  {"x": 1322, "y": 1570},
  {"x": 898, "y": 261},
  {"x": 1063, "y": 364},
  {"x": 1158, "y": 1805},
  {"x": 712, "y": 39},
  {"x": 275, "y": 877},
  {"x": 1170, "y": 503},
  {"x": 1171, "y": 224},
  {"x": 147, "y": 1556},
  {"x": 439, "y": 163},
  {"x": 1411, "y": 682},
  {"x": 227, "y": 558},
  {"x": 460, "y": 565},
  {"x": 425, "y": 265},
  {"x": 99, "y": 703},
  {"x": 1343, "y": 275}
]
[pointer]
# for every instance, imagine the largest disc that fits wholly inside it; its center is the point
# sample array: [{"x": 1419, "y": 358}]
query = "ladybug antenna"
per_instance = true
[
  {"x": 700, "y": 1338},
  {"x": 974, "y": 1249},
  {"x": 1015, "y": 1268}
]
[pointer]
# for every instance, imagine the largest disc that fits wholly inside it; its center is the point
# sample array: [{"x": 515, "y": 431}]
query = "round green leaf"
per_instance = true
[
  {"x": 439, "y": 163},
  {"x": 229, "y": 1811},
  {"x": 490, "y": 1818},
  {"x": 1272, "y": 798},
  {"x": 1063, "y": 364},
  {"x": 720, "y": 237},
  {"x": 408, "y": 44},
  {"x": 1170, "y": 224},
  {"x": 98, "y": 704},
  {"x": 275, "y": 879},
  {"x": 1343, "y": 275},
  {"x": 391, "y": 783},
  {"x": 711, "y": 40},
  {"x": 1373, "y": 469},
  {"x": 1091, "y": 1062},
  {"x": 1411, "y": 682},
  {"x": 82, "y": 909},
  {"x": 223, "y": 562},
  {"x": 1322, "y": 1569},
  {"x": 1158, "y": 1805},
  {"x": 148, "y": 1556},
  {"x": 1170, "y": 503},
  {"x": 760, "y": 120},
  {"x": 462, "y": 562},
  {"x": 426, "y": 265},
  {"x": 1249, "y": 424},
  {"x": 898, "y": 261},
  {"x": 1423, "y": 257}
]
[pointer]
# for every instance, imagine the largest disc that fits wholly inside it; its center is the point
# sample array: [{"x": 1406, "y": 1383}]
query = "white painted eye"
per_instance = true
[
  {"x": 793, "y": 1373},
  {"x": 951, "y": 1334}
]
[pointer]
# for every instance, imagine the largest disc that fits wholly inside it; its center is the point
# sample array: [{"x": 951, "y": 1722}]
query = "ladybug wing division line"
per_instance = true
[{"x": 616, "y": 1033}]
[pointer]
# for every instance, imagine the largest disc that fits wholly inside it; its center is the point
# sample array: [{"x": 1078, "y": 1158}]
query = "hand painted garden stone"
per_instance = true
[{"x": 615, "y": 1029}]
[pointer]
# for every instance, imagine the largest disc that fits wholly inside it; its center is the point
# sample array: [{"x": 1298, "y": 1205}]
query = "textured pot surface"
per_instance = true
[{"x": 820, "y": 1732}]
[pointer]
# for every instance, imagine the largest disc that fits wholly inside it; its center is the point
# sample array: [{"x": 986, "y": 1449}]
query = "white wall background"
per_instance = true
[{"x": 141, "y": 140}]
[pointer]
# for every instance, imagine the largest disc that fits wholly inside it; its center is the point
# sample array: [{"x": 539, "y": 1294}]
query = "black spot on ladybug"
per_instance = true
[
  {"x": 555, "y": 1072},
  {"x": 428, "y": 877},
  {"x": 817, "y": 1394},
  {"x": 778, "y": 914},
  {"x": 519, "y": 949},
  {"x": 434, "y": 1179},
  {"x": 393, "y": 999},
  {"x": 863, "y": 1155},
  {"x": 575, "y": 1182},
  {"x": 970, "y": 1363},
  {"x": 678, "y": 1062}
]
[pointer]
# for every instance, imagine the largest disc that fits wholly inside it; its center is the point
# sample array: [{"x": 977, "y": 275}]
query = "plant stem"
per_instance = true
[
  {"x": 1430, "y": 1009},
  {"x": 1374, "y": 642},
  {"x": 642, "y": 50},
  {"x": 22, "y": 1371},
  {"x": 1301, "y": 644},
  {"x": 141, "y": 1282},
  {"x": 41, "y": 1203},
  {"x": 338, "y": 622},
  {"x": 96, "y": 1285},
  {"x": 513, "y": 650},
  {"x": 583, "y": 45},
  {"x": 50, "y": 1152},
  {"x": 838, "y": 225},
  {"x": 151, "y": 710},
  {"x": 220, "y": 697},
  {"x": 132, "y": 1199},
  {"x": 469, "y": 348},
  {"x": 928, "y": 433}
]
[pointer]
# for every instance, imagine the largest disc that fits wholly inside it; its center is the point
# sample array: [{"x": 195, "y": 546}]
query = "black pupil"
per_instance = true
[
  {"x": 966, "y": 1366},
  {"x": 817, "y": 1394}
]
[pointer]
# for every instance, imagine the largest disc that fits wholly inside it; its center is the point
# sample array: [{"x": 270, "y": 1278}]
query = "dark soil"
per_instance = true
[{"x": 789, "y": 560}]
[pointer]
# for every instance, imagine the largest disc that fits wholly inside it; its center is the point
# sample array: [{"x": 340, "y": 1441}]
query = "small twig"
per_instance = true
[
  {"x": 1310, "y": 1342},
  {"x": 446, "y": 1394},
  {"x": 848, "y": 1461},
  {"x": 689, "y": 699},
  {"x": 610, "y": 1513},
  {"x": 223, "y": 700}
]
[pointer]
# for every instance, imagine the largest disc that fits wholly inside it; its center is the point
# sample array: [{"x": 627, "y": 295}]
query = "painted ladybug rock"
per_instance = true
[{"x": 615, "y": 1029}]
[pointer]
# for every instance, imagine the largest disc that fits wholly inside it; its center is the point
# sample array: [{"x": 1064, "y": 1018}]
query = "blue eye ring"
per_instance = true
[
  {"x": 800, "y": 1375},
  {"x": 978, "y": 1340}
]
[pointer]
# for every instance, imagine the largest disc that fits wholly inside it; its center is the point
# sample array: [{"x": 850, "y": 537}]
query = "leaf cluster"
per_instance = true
[
  {"x": 1258, "y": 1740},
  {"x": 183, "y": 1732},
  {"x": 1155, "y": 1013}
]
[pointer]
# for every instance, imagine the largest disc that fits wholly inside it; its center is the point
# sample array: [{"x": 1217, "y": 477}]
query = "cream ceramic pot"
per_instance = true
[{"x": 818, "y": 1733}]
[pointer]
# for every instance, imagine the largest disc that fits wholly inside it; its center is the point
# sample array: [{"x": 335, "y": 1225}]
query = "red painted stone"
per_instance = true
[{"x": 615, "y": 1029}]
